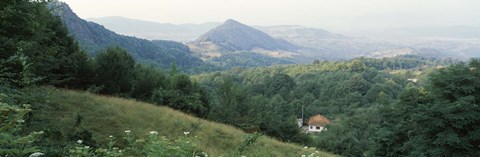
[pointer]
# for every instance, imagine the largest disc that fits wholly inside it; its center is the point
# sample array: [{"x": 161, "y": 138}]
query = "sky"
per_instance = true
[{"x": 336, "y": 15}]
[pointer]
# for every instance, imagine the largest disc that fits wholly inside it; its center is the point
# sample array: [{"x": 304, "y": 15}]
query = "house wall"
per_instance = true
[{"x": 312, "y": 128}]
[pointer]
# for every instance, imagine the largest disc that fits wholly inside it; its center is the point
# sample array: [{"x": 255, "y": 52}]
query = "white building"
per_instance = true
[{"x": 317, "y": 124}]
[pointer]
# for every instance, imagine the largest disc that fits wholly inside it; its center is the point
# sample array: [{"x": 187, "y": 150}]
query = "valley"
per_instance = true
[{"x": 113, "y": 86}]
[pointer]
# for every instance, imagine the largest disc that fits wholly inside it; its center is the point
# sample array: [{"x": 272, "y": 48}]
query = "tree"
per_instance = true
[
  {"x": 447, "y": 125},
  {"x": 227, "y": 102},
  {"x": 146, "y": 80},
  {"x": 358, "y": 83},
  {"x": 357, "y": 66},
  {"x": 114, "y": 71},
  {"x": 396, "y": 125},
  {"x": 179, "y": 92},
  {"x": 439, "y": 120},
  {"x": 279, "y": 84},
  {"x": 28, "y": 28},
  {"x": 279, "y": 120}
]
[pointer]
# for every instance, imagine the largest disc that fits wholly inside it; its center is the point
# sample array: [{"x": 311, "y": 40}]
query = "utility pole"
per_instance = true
[{"x": 302, "y": 112}]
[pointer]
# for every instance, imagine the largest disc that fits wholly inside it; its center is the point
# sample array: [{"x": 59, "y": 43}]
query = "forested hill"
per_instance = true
[
  {"x": 94, "y": 37},
  {"x": 367, "y": 100},
  {"x": 398, "y": 63}
]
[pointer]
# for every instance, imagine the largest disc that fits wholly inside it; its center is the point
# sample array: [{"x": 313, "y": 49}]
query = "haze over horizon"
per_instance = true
[{"x": 340, "y": 16}]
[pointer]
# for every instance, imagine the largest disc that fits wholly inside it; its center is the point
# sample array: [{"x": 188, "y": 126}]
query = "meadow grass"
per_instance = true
[{"x": 104, "y": 116}]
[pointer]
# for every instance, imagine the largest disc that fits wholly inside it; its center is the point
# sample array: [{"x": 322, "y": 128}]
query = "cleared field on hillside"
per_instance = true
[{"x": 104, "y": 116}]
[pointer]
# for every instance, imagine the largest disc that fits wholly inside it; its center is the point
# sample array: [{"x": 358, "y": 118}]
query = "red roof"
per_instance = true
[{"x": 318, "y": 120}]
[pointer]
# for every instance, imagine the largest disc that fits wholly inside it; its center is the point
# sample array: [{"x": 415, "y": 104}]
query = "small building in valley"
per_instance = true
[{"x": 317, "y": 123}]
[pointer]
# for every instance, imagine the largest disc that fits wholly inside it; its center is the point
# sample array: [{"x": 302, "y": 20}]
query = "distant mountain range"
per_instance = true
[
  {"x": 154, "y": 30},
  {"x": 297, "y": 32},
  {"x": 94, "y": 37},
  {"x": 315, "y": 43},
  {"x": 460, "y": 42},
  {"x": 233, "y": 44},
  {"x": 428, "y": 32}
]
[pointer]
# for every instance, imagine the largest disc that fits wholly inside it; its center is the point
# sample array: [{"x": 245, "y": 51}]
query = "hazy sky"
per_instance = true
[{"x": 336, "y": 15}]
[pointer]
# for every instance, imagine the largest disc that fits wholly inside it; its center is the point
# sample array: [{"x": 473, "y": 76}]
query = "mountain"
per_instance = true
[
  {"x": 429, "y": 32},
  {"x": 291, "y": 32},
  {"x": 322, "y": 44},
  {"x": 200, "y": 29},
  {"x": 304, "y": 36},
  {"x": 154, "y": 30},
  {"x": 94, "y": 37},
  {"x": 144, "y": 29},
  {"x": 332, "y": 46},
  {"x": 235, "y": 36}
]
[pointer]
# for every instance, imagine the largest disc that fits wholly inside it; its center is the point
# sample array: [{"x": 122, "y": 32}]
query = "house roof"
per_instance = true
[{"x": 318, "y": 120}]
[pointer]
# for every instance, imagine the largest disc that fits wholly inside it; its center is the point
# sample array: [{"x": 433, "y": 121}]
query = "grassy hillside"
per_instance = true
[{"x": 64, "y": 111}]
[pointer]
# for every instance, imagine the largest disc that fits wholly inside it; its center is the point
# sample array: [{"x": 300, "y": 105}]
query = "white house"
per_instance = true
[{"x": 317, "y": 124}]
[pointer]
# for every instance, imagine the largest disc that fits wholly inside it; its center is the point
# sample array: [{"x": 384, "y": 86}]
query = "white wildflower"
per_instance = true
[
  {"x": 79, "y": 141},
  {"x": 110, "y": 136},
  {"x": 153, "y": 133},
  {"x": 186, "y": 133},
  {"x": 306, "y": 147},
  {"x": 127, "y": 131},
  {"x": 37, "y": 154}
]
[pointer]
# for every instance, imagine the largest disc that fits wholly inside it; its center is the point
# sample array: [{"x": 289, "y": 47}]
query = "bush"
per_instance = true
[{"x": 12, "y": 142}]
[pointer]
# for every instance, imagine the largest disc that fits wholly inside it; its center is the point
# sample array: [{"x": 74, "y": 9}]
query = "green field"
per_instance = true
[{"x": 104, "y": 116}]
